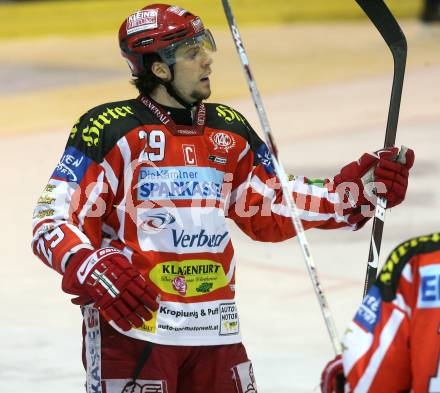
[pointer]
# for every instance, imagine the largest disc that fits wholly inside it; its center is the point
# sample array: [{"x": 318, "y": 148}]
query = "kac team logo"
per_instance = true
[{"x": 222, "y": 141}]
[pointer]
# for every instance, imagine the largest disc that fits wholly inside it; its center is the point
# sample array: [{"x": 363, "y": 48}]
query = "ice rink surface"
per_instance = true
[{"x": 319, "y": 129}]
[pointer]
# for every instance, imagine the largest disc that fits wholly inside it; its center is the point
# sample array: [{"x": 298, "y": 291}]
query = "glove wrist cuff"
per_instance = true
[{"x": 92, "y": 259}]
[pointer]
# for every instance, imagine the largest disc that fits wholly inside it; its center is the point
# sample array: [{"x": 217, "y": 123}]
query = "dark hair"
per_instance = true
[{"x": 146, "y": 82}]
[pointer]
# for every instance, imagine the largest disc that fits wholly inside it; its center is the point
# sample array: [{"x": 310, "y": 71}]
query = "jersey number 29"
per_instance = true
[{"x": 154, "y": 149}]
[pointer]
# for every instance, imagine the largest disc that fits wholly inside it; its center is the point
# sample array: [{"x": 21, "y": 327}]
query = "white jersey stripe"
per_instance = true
[
  {"x": 386, "y": 338},
  {"x": 306, "y": 190},
  {"x": 298, "y": 185},
  {"x": 128, "y": 252},
  {"x": 244, "y": 152},
  {"x": 357, "y": 337},
  {"x": 108, "y": 230},
  {"x": 231, "y": 271},
  {"x": 237, "y": 192},
  {"x": 78, "y": 233},
  {"x": 399, "y": 301},
  {"x": 97, "y": 189},
  {"x": 128, "y": 176},
  {"x": 72, "y": 251},
  {"x": 407, "y": 273},
  {"x": 261, "y": 187},
  {"x": 110, "y": 175},
  {"x": 256, "y": 184},
  {"x": 109, "y": 234},
  {"x": 305, "y": 215}
]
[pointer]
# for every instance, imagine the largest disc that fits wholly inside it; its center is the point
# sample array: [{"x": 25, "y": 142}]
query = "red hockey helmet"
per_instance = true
[{"x": 160, "y": 28}]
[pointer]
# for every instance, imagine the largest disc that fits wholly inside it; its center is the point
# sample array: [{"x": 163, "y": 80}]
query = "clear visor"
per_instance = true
[{"x": 202, "y": 44}]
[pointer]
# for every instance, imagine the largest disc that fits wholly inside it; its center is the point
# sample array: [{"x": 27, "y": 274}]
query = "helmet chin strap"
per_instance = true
[{"x": 173, "y": 93}]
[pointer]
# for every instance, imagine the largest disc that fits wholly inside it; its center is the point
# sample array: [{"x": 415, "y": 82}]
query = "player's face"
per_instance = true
[{"x": 191, "y": 73}]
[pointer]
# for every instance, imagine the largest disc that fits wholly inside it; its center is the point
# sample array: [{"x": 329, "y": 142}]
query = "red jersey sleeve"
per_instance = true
[
  {"x": 257, "y": 206},
  {"x": 70, "y": 211}
]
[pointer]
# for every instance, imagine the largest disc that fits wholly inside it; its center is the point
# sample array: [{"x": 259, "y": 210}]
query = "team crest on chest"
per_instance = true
[{"x": 222, "y": 141}]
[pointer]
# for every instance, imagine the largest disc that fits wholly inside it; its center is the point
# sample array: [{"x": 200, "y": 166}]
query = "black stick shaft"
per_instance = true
[{"x": 390, "y": 30}]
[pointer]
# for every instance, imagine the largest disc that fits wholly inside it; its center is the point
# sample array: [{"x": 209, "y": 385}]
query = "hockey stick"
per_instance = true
[
  {"x": 283, "y": 180},
  {"x": 390, "y": 30}
]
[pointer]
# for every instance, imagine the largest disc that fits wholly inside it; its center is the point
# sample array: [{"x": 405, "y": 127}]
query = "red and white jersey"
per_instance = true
[
  {"x": 393, "y": 343},
  {"x": 161, "y": 195}
]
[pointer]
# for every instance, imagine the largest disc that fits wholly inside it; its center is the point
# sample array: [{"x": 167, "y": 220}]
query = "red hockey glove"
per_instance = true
[
  {"x": 332, "y": 377},
  {"x": 108, "y": 279},
  {"x": 385, "y": 171},
  {"x": 394, "y": 174}
]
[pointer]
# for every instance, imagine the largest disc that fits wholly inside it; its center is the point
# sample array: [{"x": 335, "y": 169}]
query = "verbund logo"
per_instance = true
[
  {"x": 184, "y": 240},
  {"x": 182, "y": 230},
  {"x": 157, "y": 222}
]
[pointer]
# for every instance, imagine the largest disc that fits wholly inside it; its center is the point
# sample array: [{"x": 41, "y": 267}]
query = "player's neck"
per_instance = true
[{"x": 161, "y": 96}]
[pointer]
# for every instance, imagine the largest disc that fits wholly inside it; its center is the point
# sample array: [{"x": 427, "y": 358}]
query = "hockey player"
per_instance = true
[
  {"x": 393, "y": 343},
  {"x": 133, "y": 216}
]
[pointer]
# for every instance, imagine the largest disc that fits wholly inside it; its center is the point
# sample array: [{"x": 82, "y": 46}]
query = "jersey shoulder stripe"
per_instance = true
[
  {"x": 389, "y": 276},
  {"x": 100, "y": 128}
]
